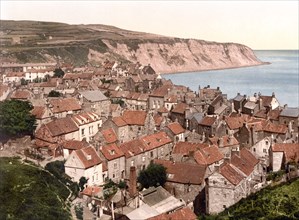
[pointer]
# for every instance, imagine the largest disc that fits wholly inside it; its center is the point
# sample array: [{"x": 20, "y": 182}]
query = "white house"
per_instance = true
[
  {"x": 32, "y": 74},
  {"x": 86, "y": 163}
]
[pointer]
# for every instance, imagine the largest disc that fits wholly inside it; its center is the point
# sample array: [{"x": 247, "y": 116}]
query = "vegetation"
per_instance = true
[
  {"x": 276, "y": 202},
  {"x": 27, "y": 192},
  {"x": 54, "y": 93},
  {"x": 16, "y": 118},
  {"x": 58, "y": 73},
  {"x": 153, "y": 175},
  {"x": 82, "y": 183}
]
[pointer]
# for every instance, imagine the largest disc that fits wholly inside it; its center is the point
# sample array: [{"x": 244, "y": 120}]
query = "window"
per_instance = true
[
  {"x": 253, "y": 149},
  {"x": 267, "y": 142},
  {"x": 143, "y": 158},
  {"x": 152, "y": 154},
  {"x": 225, "y": 183},
  {"x": 162, "y": 151},
  {"x": 82, "y": 132},
  {"x": 115, "y": 165},
  {"x": 132, "y": 163},
  {"x": 265, "y": 151},
  {"x": 91, "y": 130}
]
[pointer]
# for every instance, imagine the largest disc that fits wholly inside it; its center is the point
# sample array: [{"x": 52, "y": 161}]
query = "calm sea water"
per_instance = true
[{"x": 281, "y": 77}]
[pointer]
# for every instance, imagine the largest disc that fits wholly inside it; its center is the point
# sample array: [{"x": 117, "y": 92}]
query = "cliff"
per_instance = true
[{"x": 30, "y": 41}]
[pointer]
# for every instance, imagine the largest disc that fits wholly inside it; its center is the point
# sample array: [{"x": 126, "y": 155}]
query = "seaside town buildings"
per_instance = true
[{"x": 111, "y": 122}]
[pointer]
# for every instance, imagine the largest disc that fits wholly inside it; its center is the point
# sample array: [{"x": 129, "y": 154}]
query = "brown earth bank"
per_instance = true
[{"x": 33, "y": 41}]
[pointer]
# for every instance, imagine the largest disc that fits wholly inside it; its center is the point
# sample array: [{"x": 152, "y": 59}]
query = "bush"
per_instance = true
[
  {"x": 153, "y": 175},
  {"x": 275, "y": 176}
]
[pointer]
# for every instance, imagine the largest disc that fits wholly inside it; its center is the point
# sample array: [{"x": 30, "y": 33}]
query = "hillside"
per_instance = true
[
  {"x": 27, "y": 192},
  {"x": 33, "y": 41},
  {"x": 278, "y": 202}
]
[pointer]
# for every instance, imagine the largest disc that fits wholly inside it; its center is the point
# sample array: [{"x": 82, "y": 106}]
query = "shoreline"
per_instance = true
[{"x": 206, "y": 70}]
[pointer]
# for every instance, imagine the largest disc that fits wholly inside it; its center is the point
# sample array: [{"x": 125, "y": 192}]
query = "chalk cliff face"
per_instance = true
[
  {"x": 31, "y": 41},
  {"x": 187, "y": 55}
]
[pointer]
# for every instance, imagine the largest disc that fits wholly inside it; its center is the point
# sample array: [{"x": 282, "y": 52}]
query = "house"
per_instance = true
[
  {"x": 13, "y": 77},
  {"x": 268, "y": 102},
  {"x": 261, "y": 150},
  {"x": 22, "y": 94},
  {"x": 283, "y": 153},
  {"x": 290, "y": 117},
  {"x": 71, "y": 80},
  {"x": 69, "y": 146},
  {"x": 156, "y": 98},
  {"x": 85, "y": 162},
  {"x": 226, "y": 145},
  {"x": 184, "y": 213},
  {"x": 38, "y": 74},
  {"x": 95, "y": 101},
  {"x": 148, "y": 70},
  {"x": 42, "y": 114},
  {"x": 61, "y": 107},
  {"x": 115, "y": 162},
  {"x": 88, "y": 124},
  {"x": 178, "y": 114},
  {"x": 250, "y": 108},
  {"x": 207, "y": 125},
  {"x": 184, "y": 180},
  {"x": 106, "y": 136},
  {"x": 193, "y": 120},
  {"x": 175, "y": 131},
  {"x": 239, "y": 102},
  {"x": 54, "y": 132}
]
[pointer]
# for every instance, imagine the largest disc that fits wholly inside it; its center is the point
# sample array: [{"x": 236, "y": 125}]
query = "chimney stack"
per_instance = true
[{"x": 133, "y": 182}]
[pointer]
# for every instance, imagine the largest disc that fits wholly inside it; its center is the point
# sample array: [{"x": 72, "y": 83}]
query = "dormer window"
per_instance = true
[{"x": 112, "y": 152}]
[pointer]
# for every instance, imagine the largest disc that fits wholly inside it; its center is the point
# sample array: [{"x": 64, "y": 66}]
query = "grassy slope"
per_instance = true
[
  {"x": 29, "y": 193},
  {"x": 279, "y": 202}
]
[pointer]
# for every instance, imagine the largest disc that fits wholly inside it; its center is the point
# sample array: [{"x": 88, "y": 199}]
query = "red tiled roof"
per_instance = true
[
  {"x": 38, "y": 111},
  {"x": 88, "y": 156},
  {"x": 182, "y": 214},
  {"x": 290, "y": 150},
  {"x": 266, "y": 100},
  {"x": 20, "y": 94},
  {"x": 231, "y": 174},
  {"x": 161, "y": 91},
  {"x": 61, "y": 126},
  {"x": 208, "y": 155},
  {"x": 176, "y": 128},
  {"x": 274, "y": 114},
  {"x": 208, "y": 121},
  {"x": 185, "y": 148},
  {"x": 133, "y": 147},
  {"x": 111, "y": 152},
  {"x": 15, "y": 74},
  {"x": 227, "y": 141},
  {"x": 273, "y": 128},
  {"x": 85, "y": 118},
  {"x": 64, "y": 105},
  {"x": 236, "y": 122},
  {"x": 109, "y": 135},
  {"x": 134, "y": 117},
  {"x": 158, "y": 119},
  {"x": 245, "y": 162},
  {"x": 77, "y": 76},
  {"x": 156, "y": 140},
  {"x": 162, "y": 110},
  {"x": 180, "y": 108},
  {"x": 119, "y": 121},
  {"x": 74, "y": 144},
  {"x": 91, "y": 190},
  {"x": 180, "y": 172}
]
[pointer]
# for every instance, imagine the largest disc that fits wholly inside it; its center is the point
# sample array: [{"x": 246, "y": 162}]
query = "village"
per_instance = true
[{"x": 107, "y": 123}]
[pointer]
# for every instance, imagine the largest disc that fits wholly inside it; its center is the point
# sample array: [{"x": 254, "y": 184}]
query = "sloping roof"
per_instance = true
[
  {"x": 3, "y": 89},
  {"x": 231, "y": 174},
  {"x": 180, "y": 108},
  {"x": 156, "y": 140},
  {"x": 236, "y": 122},
  {"x": 133, "y": 147},
  {"x": 290, "y": 112},
  {"x": 274, "y": 128},
  {"x": 119, "y": 121},
  {"x": 185, "y": 173},
  {"x": 20, "y": 94},
  {"x": 290, "y": 150},
  {"x": 250, "y": 105},
  {"x": 266, "y": 100},
  {"x": 62, "y": 126},
  {"x": 64, "y": 105},
  {"x": 162, "y": 110},
  {"x": 226, "y": 141},
  {"x": 239, "y": 98},
  {"x": 85, "y": 118},
  {"x": 74, "y": 144},
  {"x": 208, "y": 155},
  {"x": 182, "y": 214},
  {"x": 134, "y": 117},
  {"x": 208, "y": 121},
  {"x": 88, "y": 156},
  {"x": 109, "y": 135},
  {"x": 93, "y": 95},
  {"x": 176, "y": 128},
  {"x": 274, "y": 114},
  {"x": 111, "y": 152},
  {"x": 161, "y": 91},
  {"x": 38, "y": 111},
  {"x": 185, "y": 148},
  {"x": 91, "y": 190},
  {"x": 245, "y": 162}
]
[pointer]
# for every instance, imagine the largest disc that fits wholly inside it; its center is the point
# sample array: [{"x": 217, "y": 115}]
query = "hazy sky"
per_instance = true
[{"x": 257, "y": 24}]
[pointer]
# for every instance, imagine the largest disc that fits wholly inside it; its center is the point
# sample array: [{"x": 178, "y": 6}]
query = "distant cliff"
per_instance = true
[{"x": 30, "y": 41}]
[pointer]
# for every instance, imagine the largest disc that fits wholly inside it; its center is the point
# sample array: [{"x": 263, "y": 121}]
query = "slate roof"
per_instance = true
[
  {"x": 290, "y": 112},
  {"x": 93, "y": 95},
  {"x": 185, "y": 173},
  {"x": 250, "y": 105},
  {"x": 239, "y": 98}
]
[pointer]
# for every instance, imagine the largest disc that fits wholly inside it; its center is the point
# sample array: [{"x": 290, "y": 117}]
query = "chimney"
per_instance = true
[
  {"x": 260, "y": 103},
  {"x": 273, "y": 95},
  {"x": 133, "y": 182},
  {"x": 220, "y": 142}
]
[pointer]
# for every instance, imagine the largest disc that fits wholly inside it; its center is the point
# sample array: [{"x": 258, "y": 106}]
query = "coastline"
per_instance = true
[{"x": 206, "y": 70}]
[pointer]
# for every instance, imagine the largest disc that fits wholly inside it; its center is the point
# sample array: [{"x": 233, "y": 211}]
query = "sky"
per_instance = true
[{"x": 257, "y": 24}]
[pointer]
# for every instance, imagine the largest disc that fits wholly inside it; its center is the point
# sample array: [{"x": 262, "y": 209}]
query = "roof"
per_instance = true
[
  {"x": 226, "y": 141},
  {"x": 109, "y": 135},
  {"x": 88, "y": 156},
  {"x": 185, "y": 148},
  {"x": 111, "y": 152},
  {"x": 93, "y": 95},
  {"x": 185, "y": 173},
  {"x": 231, "y": 174},
  {"x": 38, "y": 111},
  {"x": 134, "y": 117},
  {"x": 74, "y": 144},
  {"x": 176, "y": 128},
  {"x": 182, "y": 214},
  {"x": 77, "y": 76},
  {"x": 64, "y": 105},
  {"x": 119, "y": 121},
  {"x": 208, "y": 121},
  {"x": 91, "y": 190},
  {"x": 290, "y": 112},
  {"x": 85, "y": 118},
  {"x": 162, "y": 110},
  {"x": 20, "y": 94},
  {"x": 133, "y": 147},
  {"x": 158, "y": 119},
  {"x": 290, "y": 150},
  {"x": 61, "y": 126},
  {"x": 180, "y": 108},
  {"x": 15, "y": 74},
  {"x": 274, "y": 128},
  {"x": 161, "y": 91},
  {"x": 245, "y": 162},
  {"x": 274, "y": 114},
  {"x": 250, "y": 105},
  {"x": 198, "y": 116},
  {"x": 143, "y": 212},
  {"x": 156, "y": 140},
  {"x": 236, "y": 122},
  {"x": 208, "y": 155},
  {"x": 239, "y": 98}
]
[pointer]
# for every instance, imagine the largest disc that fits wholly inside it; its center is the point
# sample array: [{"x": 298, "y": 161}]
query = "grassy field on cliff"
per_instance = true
[
  {"x": 278, "y": 202},
  {"x": 27, "y": 192}
]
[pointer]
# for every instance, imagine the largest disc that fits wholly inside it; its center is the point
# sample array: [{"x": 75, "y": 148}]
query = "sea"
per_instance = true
[{"x": 281, "y": 76}]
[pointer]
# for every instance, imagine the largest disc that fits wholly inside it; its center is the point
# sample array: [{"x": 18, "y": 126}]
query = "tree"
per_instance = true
[
  {"x": 153, "y": 175},
  {"x": 82, "y": 182},
  {"x": 16, "y": 118},
  {"x": 54, "y": 93},
  {"x": 58, "y": 73}
]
